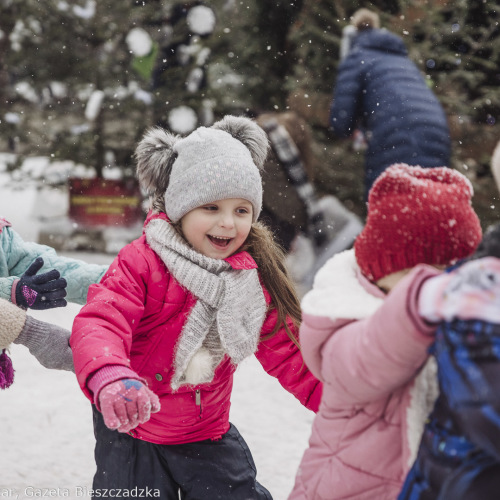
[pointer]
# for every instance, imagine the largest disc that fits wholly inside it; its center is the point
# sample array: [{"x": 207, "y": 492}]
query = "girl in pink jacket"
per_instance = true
[
  {"x": 157, "y": 344},
  {"x": 369, "y": 347}
]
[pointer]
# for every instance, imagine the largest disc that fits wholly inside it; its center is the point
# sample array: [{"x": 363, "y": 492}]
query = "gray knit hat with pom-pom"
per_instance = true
[{"x": 210, "y": 164}]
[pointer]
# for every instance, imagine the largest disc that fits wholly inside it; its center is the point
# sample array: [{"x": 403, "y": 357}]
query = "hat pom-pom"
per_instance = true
[
  {"x": 6, "y": 371},
  {"x": 154, "y": 156},
  {"x": 249, "y": 133}
]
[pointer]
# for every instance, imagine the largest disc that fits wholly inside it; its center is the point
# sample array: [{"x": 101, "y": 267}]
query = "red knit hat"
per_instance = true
[{"x": 417, "y": 215}]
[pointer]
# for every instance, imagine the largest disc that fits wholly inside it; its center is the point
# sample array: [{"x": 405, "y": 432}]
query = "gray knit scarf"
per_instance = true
[{"x": 228, "y": 315}]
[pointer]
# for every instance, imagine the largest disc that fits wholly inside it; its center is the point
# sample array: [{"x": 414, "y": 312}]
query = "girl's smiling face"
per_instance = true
[{"x": 218, "y": 229}]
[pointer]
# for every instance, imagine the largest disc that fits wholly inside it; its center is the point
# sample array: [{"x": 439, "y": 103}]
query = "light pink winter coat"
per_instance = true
[{"x": 367, "y": 351}]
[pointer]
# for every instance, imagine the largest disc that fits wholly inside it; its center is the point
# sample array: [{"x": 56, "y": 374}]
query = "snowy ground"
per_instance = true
[{"x": 47, "y": 439}]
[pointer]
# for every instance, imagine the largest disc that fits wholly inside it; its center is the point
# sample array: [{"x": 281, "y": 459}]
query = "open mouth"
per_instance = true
[{"x": 219, "y": 241}]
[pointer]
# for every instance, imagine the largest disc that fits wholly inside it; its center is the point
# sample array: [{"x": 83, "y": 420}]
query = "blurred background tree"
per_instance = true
[
  {"x": 71, "y": 92},
  {"x": 82, "y": 80}
]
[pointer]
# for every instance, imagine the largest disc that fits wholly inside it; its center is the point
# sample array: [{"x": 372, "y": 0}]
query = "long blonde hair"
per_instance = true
[{"x": 270, "y": 258}]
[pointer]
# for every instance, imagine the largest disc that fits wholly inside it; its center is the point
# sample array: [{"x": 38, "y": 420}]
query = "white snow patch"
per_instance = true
[
  {"x": 182, "y": 119},
  {"x": 143, "y": 96},
  {"x": 25, "y": 90},
  {"x": 94, "y": 105},
  {"x": 13, "y": 118},
  {"x": 59, "y": 89},
  {"x": 87, "y": 11},
  {"x": 139, "y": 42},
  {"x": 201, "y": 20}
]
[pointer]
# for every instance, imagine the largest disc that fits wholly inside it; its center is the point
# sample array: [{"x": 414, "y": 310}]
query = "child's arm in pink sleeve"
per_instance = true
[{"x": 369, "y": 358}]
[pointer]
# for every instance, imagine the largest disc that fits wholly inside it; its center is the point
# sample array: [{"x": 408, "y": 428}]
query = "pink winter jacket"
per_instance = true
[
  {"x": 134, "y": 318},
  {"x": 367, "y": 351}
]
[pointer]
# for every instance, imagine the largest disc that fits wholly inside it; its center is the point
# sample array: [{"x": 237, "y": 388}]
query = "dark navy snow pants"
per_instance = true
[{"x": 204, "y": 470}]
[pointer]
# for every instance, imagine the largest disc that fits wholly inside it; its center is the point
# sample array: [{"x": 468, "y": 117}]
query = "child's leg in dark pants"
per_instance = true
[
  {"x": 215, "y": 469},
  {"x": 202, "y": 470},
  {"x": 126, "y": 463}
]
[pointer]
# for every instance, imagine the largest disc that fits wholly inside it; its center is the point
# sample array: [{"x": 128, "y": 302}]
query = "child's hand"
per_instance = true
[
  {"x": 126, "y": 404},
  {"x": 470, "y": 292},
  {"x": 40, "y": 291}
]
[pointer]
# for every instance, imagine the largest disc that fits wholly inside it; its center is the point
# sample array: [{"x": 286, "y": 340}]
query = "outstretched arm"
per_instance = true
[
  {"x": 282, "y": 359},
  {"x": 347, "y": 97},
  {"x": 370, "y": 358},
  {"x": 16, "y": 255},
  {"x": 48, "y": 343}
]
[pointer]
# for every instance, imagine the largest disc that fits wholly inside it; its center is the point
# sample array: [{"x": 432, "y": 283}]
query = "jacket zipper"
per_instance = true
[{"x": 198, "y": 399}]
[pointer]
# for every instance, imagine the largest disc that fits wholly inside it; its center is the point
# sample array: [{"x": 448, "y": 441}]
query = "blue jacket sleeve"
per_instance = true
[
  {"x": 345, "y": 110},
  {"x": 16, "y": 255}
]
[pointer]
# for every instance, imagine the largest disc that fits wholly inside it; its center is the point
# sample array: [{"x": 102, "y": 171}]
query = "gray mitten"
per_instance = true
[{"x": 48, "y": 343}]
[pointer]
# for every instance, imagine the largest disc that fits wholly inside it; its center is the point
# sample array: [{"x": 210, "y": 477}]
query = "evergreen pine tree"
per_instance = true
[{"x": 71, "y": 73}]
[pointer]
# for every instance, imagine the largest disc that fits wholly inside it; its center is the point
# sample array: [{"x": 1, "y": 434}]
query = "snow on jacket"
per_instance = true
[
  {"x": 16, "y": 255},
  {"x": 380, "y": 90},
  {"x": 367, "y": 351},
  {"x": 134, "y": 319}
]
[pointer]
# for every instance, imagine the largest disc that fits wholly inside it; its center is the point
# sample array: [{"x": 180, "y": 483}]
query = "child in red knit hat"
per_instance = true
[{"x": 369, "y": 346}]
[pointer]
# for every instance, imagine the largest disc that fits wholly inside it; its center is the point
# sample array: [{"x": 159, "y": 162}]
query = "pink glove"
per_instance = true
[
  {"x": 470, "y": 292},
  {"x": 127, "y": 403}
]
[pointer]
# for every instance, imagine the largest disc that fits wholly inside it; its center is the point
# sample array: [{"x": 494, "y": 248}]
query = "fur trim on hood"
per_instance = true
[{"x": 337, "y": 292}]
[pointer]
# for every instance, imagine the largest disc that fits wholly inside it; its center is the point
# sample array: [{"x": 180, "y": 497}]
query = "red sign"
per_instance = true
[{"x": 101, "y": 202}]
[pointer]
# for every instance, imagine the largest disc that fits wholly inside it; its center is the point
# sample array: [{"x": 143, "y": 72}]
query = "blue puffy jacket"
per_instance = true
[
  {"x": 459, "y": 455},
  {"x": 382, "y": 92}
]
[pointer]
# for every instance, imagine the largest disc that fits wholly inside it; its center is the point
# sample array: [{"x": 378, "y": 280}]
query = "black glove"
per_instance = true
[{"x": 42, "y": 291}]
